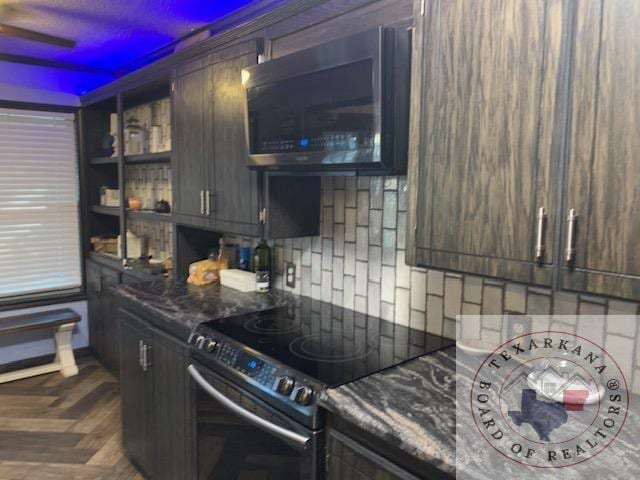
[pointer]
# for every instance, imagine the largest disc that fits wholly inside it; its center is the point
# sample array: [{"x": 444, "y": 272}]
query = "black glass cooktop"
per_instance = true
[{"x": 331, "y": 344}]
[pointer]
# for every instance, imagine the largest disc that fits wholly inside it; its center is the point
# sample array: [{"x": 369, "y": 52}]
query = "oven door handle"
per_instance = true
[{"x": 296, "y": 438}]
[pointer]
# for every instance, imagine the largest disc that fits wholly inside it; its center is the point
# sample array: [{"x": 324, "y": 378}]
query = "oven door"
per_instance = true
[{"x": 241, "y": 437}]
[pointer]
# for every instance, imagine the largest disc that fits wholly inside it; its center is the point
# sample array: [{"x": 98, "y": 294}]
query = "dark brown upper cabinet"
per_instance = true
[
  {"x": 603, "y": 164},
  {"x": 189, "y": 161},
  {"x": 213, "y": 187},
  {"x": 486, "y": 134}
]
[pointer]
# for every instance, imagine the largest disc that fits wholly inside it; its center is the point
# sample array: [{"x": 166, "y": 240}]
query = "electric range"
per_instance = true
[{"x": 265, "y": 371}]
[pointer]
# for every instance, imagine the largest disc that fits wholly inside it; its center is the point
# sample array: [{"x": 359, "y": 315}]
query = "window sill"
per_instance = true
[{"x": 43, "y": 300}]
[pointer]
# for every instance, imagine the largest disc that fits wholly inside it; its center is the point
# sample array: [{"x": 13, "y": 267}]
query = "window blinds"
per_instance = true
[{"x": 39, "y": 219}]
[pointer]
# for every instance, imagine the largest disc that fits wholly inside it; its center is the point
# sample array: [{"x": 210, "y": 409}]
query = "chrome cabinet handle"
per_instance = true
[
  {"x": 201, "y": 202},
  {"x": 542, "y": 224},
  {"x": 207, "y": 202},
  {"x": 145, "y": 357},
  {"x": 250, "y": 417},
  {"x": 140, "y": 347},
  {"x": 572, "y": 220}
]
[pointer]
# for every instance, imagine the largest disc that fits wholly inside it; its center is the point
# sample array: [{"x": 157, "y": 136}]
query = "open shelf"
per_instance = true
[
  {"x": 113, "y": 211},
  {"x": 150, "y": 215},
  {"x": 103, "y": 161},
  {"x": 158, "y": 157}
]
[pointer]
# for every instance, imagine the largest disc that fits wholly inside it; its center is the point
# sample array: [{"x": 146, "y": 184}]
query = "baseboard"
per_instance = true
[{"x": 41, "y": 360}]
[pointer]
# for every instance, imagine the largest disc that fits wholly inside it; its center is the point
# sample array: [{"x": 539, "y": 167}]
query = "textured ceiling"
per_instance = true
[{"x": 109, "y": 33}]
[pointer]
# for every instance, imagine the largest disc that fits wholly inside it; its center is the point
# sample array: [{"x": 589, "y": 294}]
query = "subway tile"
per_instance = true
[
  {"x": 591, "y": 326},
  {"x": 402, "y": 307},
  {"x": 375, "y": 192},
  {"x": 390, "y": 209},
  {"x": 388, "y": 247},
  {"x": 492, "y": 300},
  {"x": 338, "y": 274},
  {"x": 515, "y": 298},
  {"x": 364, "y": 183},
  {"x": 387, "y": 311},
  {"x": 350, "y": 192},
  {"x": 618, "y": 307},
  {"x": 336, "y": 297},
  {"x": 492, "y": 321},
  {"x": 402, "y": 193},
  {"x": 621, "y": 324},
  {"x": 375, "y": 227},
  {"x": 388, "y": 284},
  {"x": 449, "y": 328},
  {"x": 339, "y": 183},
  {"x": 348, "y": 291},
  {"x": 538, "y": 304},
  {"x": 418, "y": 290},
  {"x": 418, "y": 320},
  {"x": 349, "y": 258},
  {"x": 375, "y": 263},
  {"x": 589, "y": 308},
  {"x": 452, "y": 296},
  {"x": 327, "y": 254},
  {"x": 287, "y": 254},
  {"x": 278, "y": 259},
  {"x": 316, "y": 292},
  {"x": 305, "y": 259},
  {"x": 401, "y": 232},
  {"x": 391, "y": 183},
  {"x": 362, "y": 214},
  {"x": 327, "y": 287},
  {"x": 316, "y": 244},
  {"x": 471, "y": 324},
  {"x": 327, "y": 222},
  {"x": 435, "y": 282},
  {"x": 361, "y": 278},
  {"x": 435, "y": 314},
  {"x": 373, "y": 299},
  {"x": 623, "y": 352},
  {"x": 316, "y": 268},
  {"x": 362, "y": 243},
  {"x": 360, "y": 304},
  {"x": 338, "y": 240},
  {"x": 305, "y": 281},
  {"x": 350, "y": 225},
  {"x": 338, "y": 206},
  {"x": 472, "y": 289},
  {"x": 403, "y": 271},
  {"x": 565, "y": 303},
  {"x": 470, "y": 308}
]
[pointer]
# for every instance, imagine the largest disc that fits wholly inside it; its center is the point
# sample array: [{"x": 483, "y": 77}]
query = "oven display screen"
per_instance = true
[{"x": 249, "y": 365}]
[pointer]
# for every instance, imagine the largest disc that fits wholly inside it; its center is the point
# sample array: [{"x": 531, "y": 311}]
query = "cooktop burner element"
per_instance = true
[
  {"x": 325, "y": 343},
  {"x": 325, "y": 347},
  {"x": 271, "y": 324}
]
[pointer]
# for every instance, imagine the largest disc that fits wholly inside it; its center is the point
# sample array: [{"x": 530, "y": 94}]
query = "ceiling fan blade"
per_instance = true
[{"x": 35, "y": 36}]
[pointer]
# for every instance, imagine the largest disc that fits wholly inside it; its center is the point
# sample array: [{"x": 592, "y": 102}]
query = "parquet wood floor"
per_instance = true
[{"x": 55, "y": 428}]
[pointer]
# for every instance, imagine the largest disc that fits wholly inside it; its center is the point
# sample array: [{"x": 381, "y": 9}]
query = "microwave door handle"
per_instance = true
[{"x": 297, "y": 439}]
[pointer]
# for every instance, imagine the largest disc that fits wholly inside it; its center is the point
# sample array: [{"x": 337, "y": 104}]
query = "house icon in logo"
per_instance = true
[{"x": 571, "y": 389}]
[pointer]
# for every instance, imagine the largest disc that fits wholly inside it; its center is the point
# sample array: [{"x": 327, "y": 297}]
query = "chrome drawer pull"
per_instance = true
[
  {"x": 572, "y": 220},
  {"x": 542, "y": 223}
]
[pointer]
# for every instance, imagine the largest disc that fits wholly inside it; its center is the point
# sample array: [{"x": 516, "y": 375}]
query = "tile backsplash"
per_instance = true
[
  {"x": 358, "y": 262},
  {"x": 149, "y": 183}
]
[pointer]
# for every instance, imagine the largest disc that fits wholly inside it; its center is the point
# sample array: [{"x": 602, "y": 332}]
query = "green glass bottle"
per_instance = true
[{"x": 263, "y": 266}]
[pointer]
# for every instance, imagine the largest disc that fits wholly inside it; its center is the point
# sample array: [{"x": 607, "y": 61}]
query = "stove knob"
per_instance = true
[
  {"x": 211, "y": 345},
  {"x": 200, "y": 341},
  {"x": 304, "y": 395},
  {"x": 285, "y": 385}
]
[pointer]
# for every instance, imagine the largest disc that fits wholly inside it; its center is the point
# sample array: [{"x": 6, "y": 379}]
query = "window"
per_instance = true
[{"x": 39, "y": 219}]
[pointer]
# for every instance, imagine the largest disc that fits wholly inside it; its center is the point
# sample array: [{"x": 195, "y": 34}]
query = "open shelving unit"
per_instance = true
[{"x": 104, "y": 168}]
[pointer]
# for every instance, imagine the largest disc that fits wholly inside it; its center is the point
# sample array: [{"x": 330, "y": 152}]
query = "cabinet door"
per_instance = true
[
  {"x": 110, "y": 324},
  {"x": 189, "y": 169},
  {"x": 604, "y": 151},
  {"x": 486, "y": 134},
  {"x": 171, "y": 436},
  {"x": 94, "y": 298},
  {"x": 233, "y": 187},
  {"x": 135, "y": 386}
]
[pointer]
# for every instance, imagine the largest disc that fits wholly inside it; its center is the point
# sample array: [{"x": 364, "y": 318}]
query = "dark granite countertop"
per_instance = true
[
  {"x": 178, "y": 307},
  {"x": 411, "y": 406}
]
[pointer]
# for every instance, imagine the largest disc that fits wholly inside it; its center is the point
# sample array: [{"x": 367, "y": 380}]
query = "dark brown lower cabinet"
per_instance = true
[
  {"x": 104, "y": 336},
  {"x": 156, "y": 417},
  {"x": 349, "y": 460}
]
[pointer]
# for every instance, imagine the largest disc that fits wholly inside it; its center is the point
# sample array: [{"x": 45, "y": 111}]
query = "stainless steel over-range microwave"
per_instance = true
[{"x": 338, "y": 107}]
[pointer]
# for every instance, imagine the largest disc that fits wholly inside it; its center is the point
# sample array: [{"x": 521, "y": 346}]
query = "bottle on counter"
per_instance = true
[
  {"x": 245, "y": 255},
  {"x": 263, "y": 266},
  {"x": 224, "y": 260}
]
